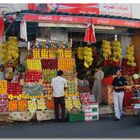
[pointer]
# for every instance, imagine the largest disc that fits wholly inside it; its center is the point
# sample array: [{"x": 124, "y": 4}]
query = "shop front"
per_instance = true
[{"x": 56, "y": 42}]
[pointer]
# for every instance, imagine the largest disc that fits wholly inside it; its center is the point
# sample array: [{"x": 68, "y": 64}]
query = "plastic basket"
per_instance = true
[{"x": 73, "y": 117}]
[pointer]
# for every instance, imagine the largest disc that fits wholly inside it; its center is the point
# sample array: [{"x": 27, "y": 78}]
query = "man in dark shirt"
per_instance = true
[{"x": 119, "y": 84}]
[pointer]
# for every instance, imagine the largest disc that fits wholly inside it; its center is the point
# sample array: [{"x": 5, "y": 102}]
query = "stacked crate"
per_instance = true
[
  {"x": 90, "y": 108},
  {"x": 91, "y": 111}
]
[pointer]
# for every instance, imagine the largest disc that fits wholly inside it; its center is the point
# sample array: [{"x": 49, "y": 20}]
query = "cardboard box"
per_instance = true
[
  {"x": 108, "y": 98},
  {"x": 90, "y": 108},
  {"x": 90, "y": 116},
  {"x": 107, "y": 94}
]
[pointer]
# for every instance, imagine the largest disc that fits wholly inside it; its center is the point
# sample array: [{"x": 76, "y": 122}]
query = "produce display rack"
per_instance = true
[{"x": 67, "y": 54}]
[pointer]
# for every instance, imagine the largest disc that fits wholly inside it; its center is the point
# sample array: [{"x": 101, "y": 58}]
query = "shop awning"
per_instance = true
[
  {"x": 54, "y": 18},
  {"x": 81, "y": 19}
]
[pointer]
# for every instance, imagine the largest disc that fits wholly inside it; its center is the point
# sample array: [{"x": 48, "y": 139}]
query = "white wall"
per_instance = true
[
  {"x": 59, "y": 34},
  {"x": 136, "y": 10}
]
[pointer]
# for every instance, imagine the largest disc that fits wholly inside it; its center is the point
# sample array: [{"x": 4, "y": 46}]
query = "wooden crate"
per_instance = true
[{"x": 106, "y": 109}]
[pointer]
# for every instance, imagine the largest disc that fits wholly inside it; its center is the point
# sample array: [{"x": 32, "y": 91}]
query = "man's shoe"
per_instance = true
[{"x": 116, "y": 119}]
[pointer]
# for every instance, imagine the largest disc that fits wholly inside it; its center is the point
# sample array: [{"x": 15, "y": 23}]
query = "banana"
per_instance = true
[
  {"x": 106, "y": 48},
  {"x": 117, "y": 52},
  {"x": 130, "y": 55}
]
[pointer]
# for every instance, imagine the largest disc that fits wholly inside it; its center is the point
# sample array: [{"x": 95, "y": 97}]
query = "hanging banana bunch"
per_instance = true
[
  {"x": 9, "y": 51},
  {"x": 117, "y": 52},
  {"x": 87, "y": 57},
  {"x": 130, "y": 55},
  {"x": 106, "y": 48}
]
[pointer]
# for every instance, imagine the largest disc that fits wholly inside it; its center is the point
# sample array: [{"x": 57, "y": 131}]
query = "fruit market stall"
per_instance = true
[
  {"x": 110, "y": 57},
  {"x": 31, "y": 97},
  {"x": 107, "y": 51},
  {"x": 45, "y": 57},
  {"x": 34, "y": 95}
]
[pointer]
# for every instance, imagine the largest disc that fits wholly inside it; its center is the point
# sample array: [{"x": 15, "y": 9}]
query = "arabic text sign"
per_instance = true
[{"x": 114, "y": 9}]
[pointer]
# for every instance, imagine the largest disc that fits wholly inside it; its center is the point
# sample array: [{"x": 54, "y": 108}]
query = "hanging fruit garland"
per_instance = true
[
  {"x": 130, "y": 55},
  {"x": 117, "y": 51},
  {"x": 106, "y": 48}
]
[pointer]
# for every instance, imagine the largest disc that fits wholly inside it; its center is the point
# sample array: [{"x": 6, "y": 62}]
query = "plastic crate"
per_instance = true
[{"x": 74, "y": 117}]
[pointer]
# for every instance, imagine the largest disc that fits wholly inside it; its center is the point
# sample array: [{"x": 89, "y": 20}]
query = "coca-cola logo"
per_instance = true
[
  {"x": 66, "y": 19},
  {"x": 103, "y": 21},
  {"x": 129, "y": 23},
  {"x": 45, "y": 18}
]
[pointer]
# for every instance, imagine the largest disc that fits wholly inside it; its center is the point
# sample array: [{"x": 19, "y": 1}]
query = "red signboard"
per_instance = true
[
  {"x": 54, "y": 18},
  {"x": 83, "y": 20},
  {"x": 116, "y": 22},
  {"x": 115, "y": 9},
  {"x": 66, "y": 8}
]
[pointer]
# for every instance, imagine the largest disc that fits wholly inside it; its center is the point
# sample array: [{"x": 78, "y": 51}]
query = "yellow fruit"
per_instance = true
[
  {"x": 106, "y": 48},
  {"x": 117, "y": 53},
  {"x": 130, "y": 56}
]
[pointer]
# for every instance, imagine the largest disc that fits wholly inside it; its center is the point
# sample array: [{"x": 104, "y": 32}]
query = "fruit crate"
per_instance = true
[{"x": 74, "y": 117}]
